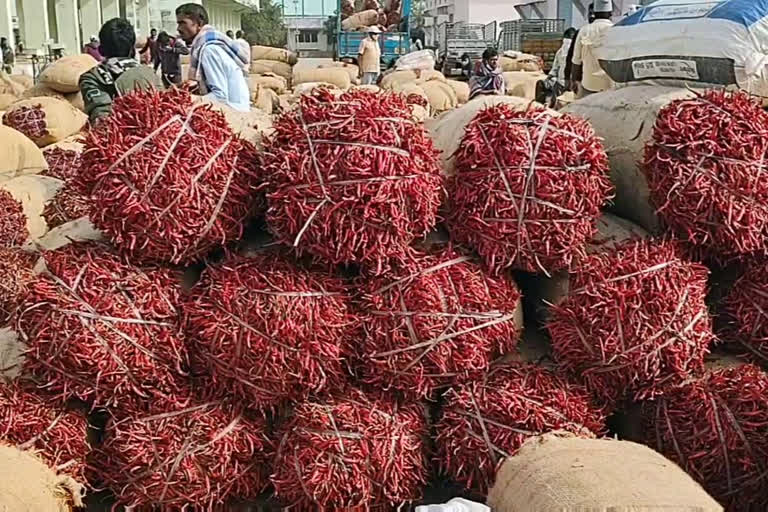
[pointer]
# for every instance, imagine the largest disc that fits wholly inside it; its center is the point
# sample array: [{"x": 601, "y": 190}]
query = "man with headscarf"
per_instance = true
[
  {"x": 585, "y": 64},
  {"x": 486, "y": 76},
  {"x": 216, "y": 62},
  {"x": 369, "y": 57}
]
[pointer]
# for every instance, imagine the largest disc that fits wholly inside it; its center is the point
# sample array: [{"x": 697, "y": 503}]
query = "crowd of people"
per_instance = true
[{"x": 217, "y": 70}]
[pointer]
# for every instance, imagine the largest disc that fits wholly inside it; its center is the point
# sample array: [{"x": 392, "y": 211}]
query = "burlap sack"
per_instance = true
[
  {"x": 251, "y": 126},
  {"x": 461, "y": 89},
  {"x": 419, "y": 113},
  {"x": 25, "y": 81},
  {"x": 19, "y": 155},
  {"x": 6, "y": 100},
  {"x": 259, "y": 67},
  {"x": 625, "y": 118},
  {"x": 78, "y": 230},
  {"x": 307, "y": 88},
  {"x": 27, "y": 484},
  {"x": 556, "y": 472},
  {"x": 391, "y": 80},
  {"x": 447, "y": 129},
  {"x": 409, "y": 88},
  {"x": 440, "y": 95},
  {"x": 565, "y": 99},
  {"x": 269, "y": 80},
  {"x": 63, "y": 75},
  {"x": 275, "y": 54},
  {"x": 335, "y": 76},
  {"x": 265, "y": 99},
  {"x": 33, "y": 192},
  {"x": 12, "y": 354},
  {"x": 59, "y": 122},
  {"x": 39, "y": 90},
  {"x": 10, "y": 86},
  {"x": 518, "y": 61},
  {"x": 545, "y": 291},
  {"x": 522, "y": 83},
  {"x": 76, "y": 100},
  {"x": 352, "y": 70},
  {"x": 368, "y": 87},
  {"x": 360, "y": 20}
]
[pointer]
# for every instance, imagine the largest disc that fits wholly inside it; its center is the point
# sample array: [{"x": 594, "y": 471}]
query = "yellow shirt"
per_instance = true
[
  {"x": 370, "y": 54},
  {"x": 594, "y": 78}
]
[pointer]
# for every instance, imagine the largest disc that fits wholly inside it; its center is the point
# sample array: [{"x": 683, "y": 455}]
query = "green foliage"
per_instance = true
[
  {"x": 265, "y": 27},
  {"x": 418, "y": 7}
]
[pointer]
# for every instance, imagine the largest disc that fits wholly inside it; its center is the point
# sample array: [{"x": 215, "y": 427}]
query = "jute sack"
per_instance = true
[
  {"x": 447, "y": 129},
  {"x": 10, "y": 86},
  {"x": 40, "y": 90},
  {"x": 565, "y": 99},
  {"x": 409, "y": 88},
  {"x": 625, "y": 118},
  {"x": 361, "y": 19},
  {"x": 12, "y": 354},
  {"x": 440, "y": 95},
  {"x": 390, "y": 80},
  {"x": 419, "y": 113},
  {"x": 461, "y": 89},
  {"x": 27, "y": 484},
  {"x": 64, "y": 74},
  {"x": 45, "y": 120},
  {"x": 352, "y": 70},
  {"x": 522, "y": 83},
  {"x": 76, "y": 100},
  {"x": 6, "y": 100},
  {"x": 33, "y": 192},
  {"x": 269, "y": 80},
  {"x": 265, "y": 99},
  {"x": 25, "y": 81},
  {"x": 555, "y": 472},
  {"x": 19, "y": 155},
  {"x": 335, "y": 76},
  {"x": 518, "y": 61},
  {"x": 251, "y": 126},
  {"x": 276, "y": 54},
  {"x": 259, "y": 67},
  {"x": 308, "y": 87},
  {"x": 553, "y": 290},
  {"x": 367, "y": 87},
  {"x": 78, "y": 230}
]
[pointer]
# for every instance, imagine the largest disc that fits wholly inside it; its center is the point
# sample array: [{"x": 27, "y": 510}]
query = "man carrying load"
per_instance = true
[
  {"x": 585, "y": 65},
  {"x": 369, "y": 57}
]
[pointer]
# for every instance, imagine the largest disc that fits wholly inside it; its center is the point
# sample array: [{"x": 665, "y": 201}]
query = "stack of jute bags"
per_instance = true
[{"x": 270, "y": 75}]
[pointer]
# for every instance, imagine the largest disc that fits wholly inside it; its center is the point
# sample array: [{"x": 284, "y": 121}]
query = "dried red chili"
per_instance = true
[
  {"x": 353, "y": 179},
  {"x": 745, "y": 307},
  {"x": 528, "y": 188},
  {"x": 67, "y": 205},
  {"x": 28, "y": 120},
  {"x": 16, "y": 271},
  {"x": 63, "y": 164},
  {"x": 13, "y": 221},
  {"x": 486, "y": 420}
]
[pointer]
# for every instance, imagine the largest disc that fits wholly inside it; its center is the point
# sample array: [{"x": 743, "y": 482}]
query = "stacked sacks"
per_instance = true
[
  {"x": 266, "y": 60},
  {"x": 518, "y": 61},
  {"x": 352, "y": 70},
  {"x": 353, "y": 180},
  {"x": 528, "y": 187},
  {"x": 338, "y": 77},
  {"x": 436, "y": 321},
  {"x": 486, "y": 420},
  {"x": 168, "y": 179},
  {"x": 268, "y": 330},
  {"x": 63, "y": 77},
  {"x": 522, "y": 84}
]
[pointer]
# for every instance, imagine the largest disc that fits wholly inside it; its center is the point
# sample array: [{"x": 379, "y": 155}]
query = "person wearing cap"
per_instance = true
[
  {"x": 92, "y": 49},
  {"x": 586, "y": 72},
  {"x": 369, "y": 56}
]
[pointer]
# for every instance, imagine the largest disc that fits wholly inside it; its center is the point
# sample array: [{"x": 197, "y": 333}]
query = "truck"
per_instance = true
[
  {"x": 536, "y": 37},
  {"x": 459, "y": 39},
  {"x": 393, "y": 44}
]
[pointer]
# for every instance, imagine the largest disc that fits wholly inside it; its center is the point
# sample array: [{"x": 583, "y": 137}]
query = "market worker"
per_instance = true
[
  {"x": 585, "y": 65},
  {"x": 486, "y": 76},
  {"x": 119, "y": 73},
  {"x": 216, "y": 61},
  {"x": 548, "y": 90},
  {"x": 243, "y": 42},
  {"x": 171, "y": 51},
  {"x": 569, "y": 57},
  {"x": 151, "y": 47},
  {"x": 369, "y": 57}
]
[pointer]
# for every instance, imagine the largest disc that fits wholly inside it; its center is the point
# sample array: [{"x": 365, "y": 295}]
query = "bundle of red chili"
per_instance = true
[
  {"x": 352, "y": 451},
  {"x": 486, "y": 420},
  {"x": 167, "y": 178},
  {"x": 433, "y": 322},
  {"x": 63, "y": 163},
  {"x": 716, "y": 428},
  {"x": 704, "y": 168},
  {"x": 31, "y": 423},
  {"x": 268, "y": 330},
  {"x": 67, "y": 204},
  {"x": 353, "y": 179},
  {"x": 745, "y": 306},
  {"x": 102, "y": 330},
  {"x": 29, "y": 120},
  {"x": 528, "y": 188},
  {"x": 202, "y": 455},
  {"x": 635, "y": 320},
  {"x": 13, "y": 221},
  {"x": 16, "y": 271}
]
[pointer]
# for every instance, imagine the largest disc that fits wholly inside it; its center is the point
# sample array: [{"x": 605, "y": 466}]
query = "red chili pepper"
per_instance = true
[{"x": 13, "y": 221}]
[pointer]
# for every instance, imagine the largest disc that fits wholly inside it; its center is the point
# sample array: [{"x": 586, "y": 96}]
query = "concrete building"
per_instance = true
[
  {"x": 66, "y": 24},
  {"x": 469, "y": 11},
  {"x": 306, "y": 35},
  {"x": 574, "y": 12}
]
